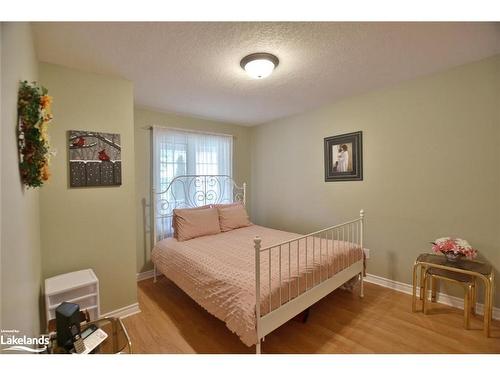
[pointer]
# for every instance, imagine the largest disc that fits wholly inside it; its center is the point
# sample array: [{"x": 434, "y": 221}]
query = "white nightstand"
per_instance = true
[{"x": 81, "y": 287}]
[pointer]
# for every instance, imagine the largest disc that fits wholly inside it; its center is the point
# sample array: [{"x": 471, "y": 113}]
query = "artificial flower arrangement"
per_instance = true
[
  {"x": 34, "y": 116},
  {"x": 454, "y": 248}
]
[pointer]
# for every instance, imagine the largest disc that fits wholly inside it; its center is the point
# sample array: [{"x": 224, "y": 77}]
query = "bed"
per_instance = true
[{"x": 227, "y": 273}]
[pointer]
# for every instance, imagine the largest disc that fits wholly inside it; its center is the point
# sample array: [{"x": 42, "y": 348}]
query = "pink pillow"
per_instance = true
[
  {"x": 196, "y": 223},
  {"x": 174, "y": 217},
  {"x": 233, "y": 217}
]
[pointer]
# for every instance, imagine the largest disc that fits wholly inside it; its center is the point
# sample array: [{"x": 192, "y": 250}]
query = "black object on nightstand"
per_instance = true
[{"x": 67, "y": 316}]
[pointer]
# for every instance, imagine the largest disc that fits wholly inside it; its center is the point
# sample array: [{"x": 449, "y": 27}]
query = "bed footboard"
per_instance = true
[{"x": 308, "y": 269}]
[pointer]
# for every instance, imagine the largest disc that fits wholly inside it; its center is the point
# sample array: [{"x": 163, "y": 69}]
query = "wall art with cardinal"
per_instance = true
[{"x": 94, "y": 159}]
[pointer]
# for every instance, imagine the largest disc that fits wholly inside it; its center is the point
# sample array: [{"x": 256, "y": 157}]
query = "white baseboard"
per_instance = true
[
  {"x": 124, "y": 311},
  {"x": 145, "y": 275},
  {"x": 443, "y": 298}
]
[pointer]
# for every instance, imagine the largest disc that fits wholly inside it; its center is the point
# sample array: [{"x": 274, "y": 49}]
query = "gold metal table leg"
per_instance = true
[
  {"x": 414, "y": 296},
  {"x": 424, "y": 300},
  {"x": 474, "y": 297},
  {"x": 422, "y": 277},
  {"x": 487, "y": 293},
  {"x": 467, "y": 301},
  {"x": 489, "y": 309},
  {"x": 434, "y": 286},
  {"x": 492, "y": 296}
]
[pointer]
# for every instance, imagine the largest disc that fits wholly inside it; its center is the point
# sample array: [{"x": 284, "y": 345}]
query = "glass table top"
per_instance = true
[
  {"x": 452, "y": 275},
  {"x": 117, "y": 341},
  {"x": 462, "y": 264}
]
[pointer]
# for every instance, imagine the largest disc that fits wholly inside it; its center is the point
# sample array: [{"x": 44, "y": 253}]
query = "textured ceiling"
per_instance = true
[{"x": 193, "y": 68}]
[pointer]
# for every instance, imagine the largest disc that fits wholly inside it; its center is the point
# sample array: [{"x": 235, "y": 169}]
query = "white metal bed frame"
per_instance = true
[{"x": 199, "y": 190}]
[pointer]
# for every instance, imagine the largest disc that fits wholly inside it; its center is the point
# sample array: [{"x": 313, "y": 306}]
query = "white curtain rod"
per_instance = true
[{"x": 187, "y": 130}]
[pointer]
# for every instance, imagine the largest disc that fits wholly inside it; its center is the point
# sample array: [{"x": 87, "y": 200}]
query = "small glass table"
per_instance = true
[
  {"x": 117, "y": 342},
  {"x": 461, "y": 269}
]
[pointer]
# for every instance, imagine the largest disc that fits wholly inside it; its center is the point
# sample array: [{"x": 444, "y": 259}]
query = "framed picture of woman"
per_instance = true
[{"x": 344, "y": 157}]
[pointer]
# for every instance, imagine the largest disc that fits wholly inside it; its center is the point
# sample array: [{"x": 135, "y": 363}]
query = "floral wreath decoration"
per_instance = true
[{"x": 34, "y": 116}]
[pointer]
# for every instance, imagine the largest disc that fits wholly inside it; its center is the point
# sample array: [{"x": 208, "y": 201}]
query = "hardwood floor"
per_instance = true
[{"x": 382, "y": 322}]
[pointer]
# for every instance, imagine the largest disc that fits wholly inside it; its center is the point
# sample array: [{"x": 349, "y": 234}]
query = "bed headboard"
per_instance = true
[{"x": 191, "y": 191}]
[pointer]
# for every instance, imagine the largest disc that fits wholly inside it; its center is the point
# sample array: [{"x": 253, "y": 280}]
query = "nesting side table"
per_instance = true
[{"x": 469, "y": 268}]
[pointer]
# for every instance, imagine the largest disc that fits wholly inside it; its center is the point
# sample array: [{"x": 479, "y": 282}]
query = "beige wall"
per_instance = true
[
  {"x": 90, "y": 227},
  {"x": 145, "y": 118},
  {"x": 431, "y": 167},
  {"x": 20, "y": 225}
]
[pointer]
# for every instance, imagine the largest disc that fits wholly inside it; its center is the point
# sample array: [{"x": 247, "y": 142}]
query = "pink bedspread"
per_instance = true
[{"x": 218, "y": 271}]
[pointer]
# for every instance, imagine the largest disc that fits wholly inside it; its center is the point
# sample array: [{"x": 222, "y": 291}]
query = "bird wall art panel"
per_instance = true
[{"x": 94, "y": 159}]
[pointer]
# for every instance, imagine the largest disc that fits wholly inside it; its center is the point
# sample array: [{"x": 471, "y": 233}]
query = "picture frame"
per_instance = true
[
  {"x": 344, "y": 157},
  {"x": 94, "y": 159}
]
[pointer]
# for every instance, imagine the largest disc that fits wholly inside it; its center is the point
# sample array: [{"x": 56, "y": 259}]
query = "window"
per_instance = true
[{"x": 177, "y": 153}]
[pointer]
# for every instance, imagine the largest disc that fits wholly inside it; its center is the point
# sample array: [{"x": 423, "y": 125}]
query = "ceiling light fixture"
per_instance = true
[{"x": 259, "y": 65}]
